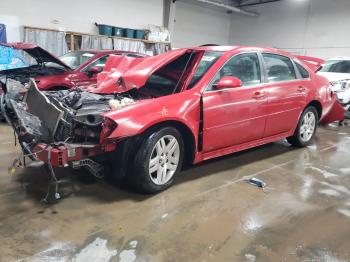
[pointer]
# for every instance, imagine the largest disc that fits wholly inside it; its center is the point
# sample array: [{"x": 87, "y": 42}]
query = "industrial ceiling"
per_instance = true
[{"x": 231, "y": 5}]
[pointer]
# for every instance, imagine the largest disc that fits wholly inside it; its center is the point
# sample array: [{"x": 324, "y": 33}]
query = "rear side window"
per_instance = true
[
  {"x": 279, "y": 68},
  {"x": 303, "y": 72}
]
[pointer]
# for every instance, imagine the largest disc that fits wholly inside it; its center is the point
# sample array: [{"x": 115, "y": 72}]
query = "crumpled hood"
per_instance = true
[
  {"x": 107, "y": 80},
  {"x": 38, "y": 53},
  {"x": 129, "y": 73},
  {"x": 334, "y": 76}
]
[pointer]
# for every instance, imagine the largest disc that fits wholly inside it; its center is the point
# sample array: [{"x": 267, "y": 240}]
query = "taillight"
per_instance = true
[{"x": 108, "y": 126}]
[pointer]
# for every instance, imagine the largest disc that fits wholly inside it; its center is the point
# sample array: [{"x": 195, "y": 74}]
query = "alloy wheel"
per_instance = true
[
  {"x": 164, "y": 159},
  {"x": 308, "y": 126}
]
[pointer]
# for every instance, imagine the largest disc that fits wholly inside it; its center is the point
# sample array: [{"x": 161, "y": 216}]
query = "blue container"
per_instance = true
[
  {"x": 139, "y": 34},
  {"x": 105, "y": 29},
  {"x": 118, "y": 31},
  {"x": 129, "y": 33}
]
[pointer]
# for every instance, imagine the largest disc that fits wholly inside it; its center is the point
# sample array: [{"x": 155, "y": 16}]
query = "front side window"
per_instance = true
[
  {"x": 336, "y": 66},
  {"x": 279, "y": 68},
  {"x": 244, "y": 66}
]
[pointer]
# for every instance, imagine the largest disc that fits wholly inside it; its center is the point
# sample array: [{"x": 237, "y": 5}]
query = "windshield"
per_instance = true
[
  {"x": 11, "y": 58},
  {"x": 75, "y": 59},
  {"x": 208, "y": 59},
  {"x": 336, "y": 66},
  {"x": 170, "y": 78}
]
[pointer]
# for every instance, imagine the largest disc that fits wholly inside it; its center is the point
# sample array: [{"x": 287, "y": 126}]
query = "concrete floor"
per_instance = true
[{"x": 210, "y": 214}]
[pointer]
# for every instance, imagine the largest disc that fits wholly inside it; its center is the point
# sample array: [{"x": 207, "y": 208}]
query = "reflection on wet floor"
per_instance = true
[{"x": 211, "y": 214}]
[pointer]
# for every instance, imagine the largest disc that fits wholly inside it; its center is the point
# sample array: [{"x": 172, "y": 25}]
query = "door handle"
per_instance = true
[
  {"x": 258, "y": 95},
  {"x": 301, "y": 88}
]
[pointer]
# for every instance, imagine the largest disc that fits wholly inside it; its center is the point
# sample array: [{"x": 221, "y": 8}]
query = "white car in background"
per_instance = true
[{"x": 337, "y": 71}]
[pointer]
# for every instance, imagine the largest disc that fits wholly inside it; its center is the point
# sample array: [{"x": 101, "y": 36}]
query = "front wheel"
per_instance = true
[
  {"x": 158, "y": 161},
  {"x": 306, "y": 128}
]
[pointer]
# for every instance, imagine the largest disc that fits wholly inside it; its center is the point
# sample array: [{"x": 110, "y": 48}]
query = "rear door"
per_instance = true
[
  {"x": 236, "y": 115},
  {"x": 287, "y": 94}
]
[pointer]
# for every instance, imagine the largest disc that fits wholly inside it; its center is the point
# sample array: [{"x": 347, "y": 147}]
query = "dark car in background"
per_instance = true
[{"x": 74, "y": 69}]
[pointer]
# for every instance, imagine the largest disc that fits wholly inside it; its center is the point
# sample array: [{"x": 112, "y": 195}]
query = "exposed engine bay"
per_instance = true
[
  {"x": 24, "y": 74},
  {"x": 73, "y": 115}
]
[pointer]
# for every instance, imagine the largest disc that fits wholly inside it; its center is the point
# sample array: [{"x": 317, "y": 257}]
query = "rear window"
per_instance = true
[{"x": 303, "y": 72}]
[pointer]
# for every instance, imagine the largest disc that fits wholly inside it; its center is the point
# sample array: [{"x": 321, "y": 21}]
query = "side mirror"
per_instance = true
[
  {"x": 228, "y": 82},
  {"x": 94, "y": 70}
]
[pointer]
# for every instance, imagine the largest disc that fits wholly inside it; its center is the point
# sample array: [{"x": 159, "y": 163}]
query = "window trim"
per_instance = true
[
  {"x": 284, "y": 81},
  {"x": 301, "y": 77},
  {"x": 262, "y": 76}
]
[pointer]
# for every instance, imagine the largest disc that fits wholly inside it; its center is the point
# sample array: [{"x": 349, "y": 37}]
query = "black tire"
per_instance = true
[
  {"x": 2, "y": 118},
  {"x": 347, "y": 114},
  {"x": 296, "y": 140},
  {"x": 118, "y": 164},
  {"x": 139, "y": 177}
]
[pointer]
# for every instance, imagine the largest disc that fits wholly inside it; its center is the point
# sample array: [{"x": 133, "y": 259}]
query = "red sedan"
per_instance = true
[
  {"x": 77, "y": 68},
  {"x": 187, "y": 105}
]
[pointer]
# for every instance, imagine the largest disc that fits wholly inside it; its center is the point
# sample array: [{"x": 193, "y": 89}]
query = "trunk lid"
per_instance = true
[{"x": 312, "y": 62}]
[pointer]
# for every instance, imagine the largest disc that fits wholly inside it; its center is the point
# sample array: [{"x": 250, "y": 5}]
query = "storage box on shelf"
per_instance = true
[{"x": 74, "y": 39}]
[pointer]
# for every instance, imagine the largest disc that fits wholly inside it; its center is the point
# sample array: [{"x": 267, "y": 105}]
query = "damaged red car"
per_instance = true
[
  {"x": 76, "y": 68},
  {"x": 161, "y": 112}
]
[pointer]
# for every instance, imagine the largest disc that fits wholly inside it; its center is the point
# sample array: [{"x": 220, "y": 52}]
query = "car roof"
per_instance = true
[
  {"x": 104, "y": 51},
  {"x": 342, "y": 58},
  {"x": 241, "y": 49}
]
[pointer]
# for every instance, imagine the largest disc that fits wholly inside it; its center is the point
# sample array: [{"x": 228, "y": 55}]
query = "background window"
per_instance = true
[
  {"x": 101, "y": 62},
  {"x": 303, "y": 72},
  {"x": 336, "y": 66},
  {"x": 279, "y": 68},
  {"x": 245, "y": 67}
]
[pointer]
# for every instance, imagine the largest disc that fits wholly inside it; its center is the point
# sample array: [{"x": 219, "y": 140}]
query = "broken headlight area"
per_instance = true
[
  {"x": 342, "y": 89},
  {"x": 68, "y": 116}
]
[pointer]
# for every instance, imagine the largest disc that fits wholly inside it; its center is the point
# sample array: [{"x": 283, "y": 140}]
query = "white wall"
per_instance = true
[
  {"x": 197, "y": 25},
  {"x": 311, "y": 27},
  {"x": 80, "y": 15}
]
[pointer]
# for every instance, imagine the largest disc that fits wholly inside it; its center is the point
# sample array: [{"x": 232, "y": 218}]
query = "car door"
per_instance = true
[
  {"x": 286, "y": 94},
  {"x": 84, "y": 78},
  {"x": 236, "y": 115}
]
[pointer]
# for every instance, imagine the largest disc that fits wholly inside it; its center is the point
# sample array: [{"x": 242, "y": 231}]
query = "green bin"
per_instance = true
[
  {"x": 129, "y": 33},
  {"x": 105, "y": 29},
  {"x": 139, "y": 34},
  {"x": 118, "y": 31}
]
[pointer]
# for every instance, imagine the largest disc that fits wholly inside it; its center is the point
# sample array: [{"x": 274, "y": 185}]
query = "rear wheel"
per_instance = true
[
  {"x": 158, "y": 161},
  {"x": 306, "y": 128}
]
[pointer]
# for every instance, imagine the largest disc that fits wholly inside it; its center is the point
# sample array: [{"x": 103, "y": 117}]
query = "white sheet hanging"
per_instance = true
[{"x": 52, "y": 41}]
